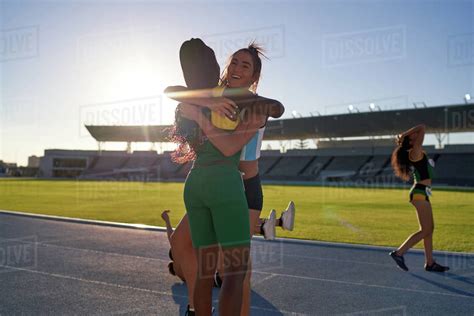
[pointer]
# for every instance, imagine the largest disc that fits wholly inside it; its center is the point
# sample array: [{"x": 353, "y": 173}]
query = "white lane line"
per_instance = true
[
  {"x": 74, "y": 220},
  {"x": 68, "y": 277},
  {"x": 271, "y": 276},
  {"x": 127, "y": 287},
  {"x": 47, "y": 245},
  {"x": 338, "y": 260},
  {"x": 278, "y": 311},
  {"x": 162, "y": 229},
  {"x": 363, "y": 284},
  {"x": 114, "y": 254}
]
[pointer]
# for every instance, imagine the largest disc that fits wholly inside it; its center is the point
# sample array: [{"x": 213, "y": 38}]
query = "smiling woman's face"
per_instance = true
[{"x": 240, "y": 73}]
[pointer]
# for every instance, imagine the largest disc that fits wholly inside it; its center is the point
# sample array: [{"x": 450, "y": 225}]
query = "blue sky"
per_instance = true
[{"x": 64, "y": 64}]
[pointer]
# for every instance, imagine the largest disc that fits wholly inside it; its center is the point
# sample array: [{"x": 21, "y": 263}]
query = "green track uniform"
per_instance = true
[
  {"x": 422, "y": 169},
  {"x": 215, "y": 200}
]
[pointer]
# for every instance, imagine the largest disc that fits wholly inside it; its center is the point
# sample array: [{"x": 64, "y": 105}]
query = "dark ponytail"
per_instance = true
[{"x": 401, "y": 161}]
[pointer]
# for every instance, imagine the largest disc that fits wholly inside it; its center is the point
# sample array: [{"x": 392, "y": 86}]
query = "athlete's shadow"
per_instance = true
[
  {"x": 180, "y": 296},
  {"x": 444, "y": 286},
  {"x": 260, "y": 305},
  {"x": 462, "y": 278}
]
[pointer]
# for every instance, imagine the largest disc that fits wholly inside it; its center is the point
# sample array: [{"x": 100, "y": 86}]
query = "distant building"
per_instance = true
[
  {"x": 34, "y": 161},
  {"x": 7, "y": 168}
]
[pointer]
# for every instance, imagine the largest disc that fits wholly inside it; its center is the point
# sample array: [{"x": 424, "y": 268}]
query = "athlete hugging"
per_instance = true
[{"x": 219, "y": 126}]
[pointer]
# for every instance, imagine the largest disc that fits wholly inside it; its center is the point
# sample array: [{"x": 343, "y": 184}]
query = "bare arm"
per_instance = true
[
  {"x": 202, "y": 98},
  {"x": 416, "y": 129},
  {"x": 270, "y": 107},
  {"x": 417, "y": 136}
]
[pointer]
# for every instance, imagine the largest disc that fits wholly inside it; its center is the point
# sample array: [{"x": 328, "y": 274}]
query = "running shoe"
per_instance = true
[
  {"x": 269, "y": 226},
  {"x": 435, "y": 267},
  {"x": 193, "y": 313},
  {"x": 189, "y": 313},
  {"x": 217, "y": 280},
  {"x": 399, "y": 260},
  {"x": 288, "y": 217}
]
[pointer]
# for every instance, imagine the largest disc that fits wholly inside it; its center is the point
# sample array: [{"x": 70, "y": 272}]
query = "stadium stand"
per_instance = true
[
  {"x": 317, "y": 164},
  {"x": 267, "y": 162},
  {"x": 352, "y": 148},
  {"x": 288, "y": 167},
  {"x": 454, "y": 166},
  {"x": 373, "y": 166},
  {"x": 105, "y": 166},
  {"x": 343, "y": 167},
  {"x": 141, "y": 160}
]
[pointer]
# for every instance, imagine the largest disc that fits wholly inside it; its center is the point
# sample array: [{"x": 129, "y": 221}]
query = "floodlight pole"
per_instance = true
[
  {"x": 99, "y": 146},
  {"x": 440, "y": 137}
]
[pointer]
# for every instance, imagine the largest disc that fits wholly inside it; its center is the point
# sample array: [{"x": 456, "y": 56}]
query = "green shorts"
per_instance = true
[
  {"x": 420, "y": 192},
  {"x": 217, "y": 208}
]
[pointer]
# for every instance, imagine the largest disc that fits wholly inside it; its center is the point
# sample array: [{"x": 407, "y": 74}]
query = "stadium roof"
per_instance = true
[
  {"x": 150, "y": 133},
  {"x": 439, "y": 119}
]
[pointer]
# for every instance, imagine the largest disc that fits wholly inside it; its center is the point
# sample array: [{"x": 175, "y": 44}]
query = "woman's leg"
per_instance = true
[
  {"x": 204, "y": 241},
  {"x": 207, "y": 263},
  {"x": 428, "y": 239},
  {"x": 236, "y": 260},
  {"x": 254, "y": 220},
  {"x": 185, "y": 256},
  {"x": 425, "y": 219}
]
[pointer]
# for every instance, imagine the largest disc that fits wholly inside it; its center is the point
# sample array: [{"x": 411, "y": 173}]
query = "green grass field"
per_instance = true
[{"x": 353, "y": 215}]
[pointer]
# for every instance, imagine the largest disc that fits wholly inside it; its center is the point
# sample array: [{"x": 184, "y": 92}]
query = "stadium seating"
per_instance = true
[
  {"x": 266, "y": 163},
  {"x": 288, "y": 167},
  {"x": 455, "y": 169},
  {"x": 104, "y": 165},
  {"x": 373, "y": 166},
  {"x": 141, "y": 160},
  {"x": 312, "y": 170},
  {"x": 454, "y": 166}
]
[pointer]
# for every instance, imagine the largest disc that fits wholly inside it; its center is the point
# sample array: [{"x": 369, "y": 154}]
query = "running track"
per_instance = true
[{"x": 59, "y": 267}]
